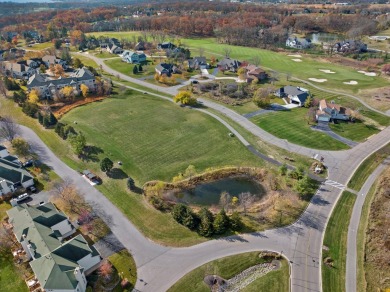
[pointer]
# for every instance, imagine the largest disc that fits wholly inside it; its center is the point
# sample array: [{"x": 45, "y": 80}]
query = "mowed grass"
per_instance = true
[
  {"x": 227, "y": 268},
  {"x": 354, "y": 131},
  {"x": 125, "y": 265},
  {"x": 367, "y": 167},
  {"x": 115, "y": 34},
  {"x": 291, "y": 125},
  {"x": 42, "y": 46},
  {"x": 127, "y": 69},
  {"x": 308, "y": 68},
  {"x": 336, "y": 235},
  {"x": 9, "y": 277}
]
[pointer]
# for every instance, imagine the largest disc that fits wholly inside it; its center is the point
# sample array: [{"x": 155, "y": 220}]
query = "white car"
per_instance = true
[{"x": 22, "y": 197}]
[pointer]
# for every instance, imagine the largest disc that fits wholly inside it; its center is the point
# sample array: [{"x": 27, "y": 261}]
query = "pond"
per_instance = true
[
  {"x": 208, "y": 194},
  {"x": 324, "y": 37}
]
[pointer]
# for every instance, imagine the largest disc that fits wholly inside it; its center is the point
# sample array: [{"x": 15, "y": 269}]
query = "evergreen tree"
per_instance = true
[
  {"x": 52, "y": 119},
  {"x": 140, "y": 68},
  {"x": 179, "y": 212},
  {"x": 235, "y": 221},
  {"x": 130, "y": 184},
  {"x": 221, "y": 222},
  {"x": 205, "y": 227},
  {"x": 135, "y": 70},
  {"x": 46, "y": 121},
  {"x": 106, "y": 165},
  {"x": 40, "y": 118}
]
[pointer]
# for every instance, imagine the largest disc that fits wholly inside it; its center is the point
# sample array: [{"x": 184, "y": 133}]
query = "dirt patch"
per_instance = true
[
  {"x": 296, "y": 60},
  {"x": 377, "y": 245},
  {"x": 327, "y": 71},
  {"x": 295, "y": 56},
  {"x": 352, "y": 82},
  {"x": 63, "y": 108},
  {"x": 378, "y": 98},
  {"x": 318, "y": 80},
  {"x": 367, "y": 73}
]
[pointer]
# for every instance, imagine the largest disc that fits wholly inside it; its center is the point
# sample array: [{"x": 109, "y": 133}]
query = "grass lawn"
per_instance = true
[
  {"x": 355, "y": 131},
  {"x": 41, "y": 46},
  {"x": 105, "y": 55},
  {"x": 336, "y": 234},
  {"x": 361, "y": 239},
  {"x": 9, "y": 278},
  {"x": 367, "y": 167},
  {"x": 228, "y": 267},
  {"x": 127, "y": 69},
  {"x": 86, "y": 61},
  {"x": 291, "y": 125},
  {"x": 115, "y": 34},
  {"x": 125, "y": 265},
  {"x": 309, "y": 67}
]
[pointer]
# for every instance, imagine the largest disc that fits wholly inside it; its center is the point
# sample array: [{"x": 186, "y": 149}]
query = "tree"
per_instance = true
[
  {"x": 106, "y": 165},
  {"x": 52, "y": 119},
  {"x": 33, "y": 96},
  {"x": 84, "y": 90},
  {"x": 78, "y": 142},
  {"x": 130, "y": 184},
  {"x": 140, "y": 69},
  {"x": 7, "y": 239},
  {"x": 283, "y": 169},
  {"x": 308, "y": 102},
  {"x": 241, "y": 72},
  {"x": 304, "y": 186},
  {"x": 225, "y": 200},
  {"x": 58, "y": 70},
  {"x": 184, "y": 215},
  {"x": 205, "y": 227},
  {"x": 77, "y": 63},
  {"x": 30, "y": 109},
  {"x": 57, "y": 43},
  {"x": 106, "y": 271},
  {"x": 135, "y": 70},
  {"x": 386, "y": 69},
  {"x": 40, "y": 118},
  {"x": 190, "y": 171},
  {"x": 234, "y": 202},
  {"x": 68, "y": 92},
  {"x": 8, "y": 128},
  {"x": 262, "y": 96},
  {"x": 21, "y": 147},
  {"x": 42, "y": 68},
  {"x": 67, "y": 197},
  {"x": 19, "y": 97},
  {"x": 256, "y": 60},
  {"x": 221, "y": 222},
  {"x": 184, "y": 97},
  {"x": 235, "y": 221},
  {"x": 3, "y": 88},
  {"x": 245, "y": 200},
  {"x": 227, "y": 51}
]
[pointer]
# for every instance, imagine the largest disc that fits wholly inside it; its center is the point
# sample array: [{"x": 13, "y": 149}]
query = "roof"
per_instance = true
[
  {"x": 2, "y": 147},
  {"x": 13, "y": 172},
  {"x": 227, "y": 62},
  {"x": 326, "y": 108},
  {"x": 165, "y": 67},
  {"x": 293, "y": 90}
]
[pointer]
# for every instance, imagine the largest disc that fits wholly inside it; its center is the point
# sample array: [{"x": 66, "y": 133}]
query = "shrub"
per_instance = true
[
  {"x": 184, "y": 215},
  {"x": 221, "y": 222},
  {"x": 235, "y": 221},
  {"x": 205, "y": 227},
  {"x": 30, "y": 109},
  {"x": 130, "y": 184},
  {"x": 159, "y": 204}
]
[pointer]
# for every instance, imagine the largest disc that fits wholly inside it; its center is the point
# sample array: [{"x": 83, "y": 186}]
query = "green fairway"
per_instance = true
[
  {"x": 42, "y": 46},
  {"x": 333, "y": 278},
  {"x": 308, "y": 68},
  {"x": 355, "y": 131},
  {"x": 104, "y": 54},
  {"x": 291, "y": 125},
  {"x": 367, "y": 167},
  {"x": 228, "y": 267},
  {"x": 127, "y": 69},
  {"x": 115, "y": 34}
]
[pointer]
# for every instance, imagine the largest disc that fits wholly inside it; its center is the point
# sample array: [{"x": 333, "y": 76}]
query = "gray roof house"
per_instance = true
[
  {"x": 53, "y": 60},
  {"x": 197, "y": 63},
  {"x": 298, "y": 43},
  {"x": 331, "y": 111},
  {"x": 167, "y": 69},
  {"x": 114, "y": 49},
  {"x": 58, "y": 265},
  {"x": 297, "y": 95},
  {"x": 229, "y": 64},
  {"x": 166, "y": 46},
  {"x": 47, "y": 86},
  {"x": 18, "y": 70}
]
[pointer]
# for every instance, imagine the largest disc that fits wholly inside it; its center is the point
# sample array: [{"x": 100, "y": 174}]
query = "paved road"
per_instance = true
[
  {"x": 159, "y": 267},
  {"x": 354, "y": 225}
]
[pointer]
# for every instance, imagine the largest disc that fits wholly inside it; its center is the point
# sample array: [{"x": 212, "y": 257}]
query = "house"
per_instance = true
[
  {"x": 104, "y": 42},
  {"x": 140, "y": 46},
  {"x": 47, "y": 86},
  {"x": 350, "y": 46},
  {"x": 197, "y": 63},
  {"x": 253, "y": 71},
  {"x": 114, "y": 49},
  {"x": 12, "y": 175},
  {"x": 2, "y": 55},
  {"x": 166, "y": 46},
  {"x": 18, "y": 70},
  {"x": 133, "y": 57},
  {"x": 58, "y": 264},
  {"x": 328, "y": 112},
  {"x": 49, "y": 60},
  {"x": 228, "y": 64},
  {"x": 34, "y": 63},
  {"x": 298, "y": 43},
  {"x": 296, "y": 95},
  {"x": 166, "y": 69}
]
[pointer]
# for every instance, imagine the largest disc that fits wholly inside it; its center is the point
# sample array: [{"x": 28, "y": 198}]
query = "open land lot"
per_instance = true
[
  {"x": 336, "y": 234},
  {"x": 230, "y": 266},
  {"x": 291, "y": 125},
  {"x": 127, "y": 69},
  {"x": 115, "y": 34}
]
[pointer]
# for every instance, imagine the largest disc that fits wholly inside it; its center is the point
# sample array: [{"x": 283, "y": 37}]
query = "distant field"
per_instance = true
[
  {"x": 308, "y": 68},
  {"x": 115, "y": 34},
  {"x": 291, "y": 125},
  {"x": 41, "y": 46}
]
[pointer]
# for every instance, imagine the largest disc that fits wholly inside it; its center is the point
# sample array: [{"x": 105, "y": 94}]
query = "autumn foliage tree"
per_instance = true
[
  {"x": 184, "y": 97},
  {"x": 68, "y": 92},
  {"x": 106, "y": 270},
  {"x": 33, "y": 96},
  {"x": 84, "y": 90},
  {"x": 58, "y": 70}
]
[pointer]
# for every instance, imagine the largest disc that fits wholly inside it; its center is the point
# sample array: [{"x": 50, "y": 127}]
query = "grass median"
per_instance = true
[{"x": 336, "y": 235}]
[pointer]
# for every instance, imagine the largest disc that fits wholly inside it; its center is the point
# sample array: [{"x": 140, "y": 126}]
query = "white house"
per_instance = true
[{"x": 298, "y": 43}]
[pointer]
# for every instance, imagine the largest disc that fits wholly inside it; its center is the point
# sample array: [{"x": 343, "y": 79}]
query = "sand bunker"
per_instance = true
[
  {"x": 296, "y": 60},
  {"x": 295, "y": 56},
  {"x": 318, "y": 80},
  {"x": 327, "y": 71},
  {"x": 352, "y": 82},
  {"x": 368, "y": 73}
]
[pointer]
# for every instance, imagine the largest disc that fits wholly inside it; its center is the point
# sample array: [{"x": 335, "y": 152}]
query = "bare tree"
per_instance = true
[
  {"x": 3, "y": 89},
  {"x": 7, "y": 239},
  {"x": 225, "y": 200},
  {"x": 8, "y": 128},
  {"x": 246, "y": 199},
  {"x": 227, "y": 51},
  {"x": 256, "y": 60},
  {"x": 66, "y": 193},
  {"x": 201, "y": 51}
]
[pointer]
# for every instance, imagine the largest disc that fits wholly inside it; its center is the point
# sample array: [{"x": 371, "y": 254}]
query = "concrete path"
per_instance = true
[
  {"x": 351, "y": 271},
  {"x": 328, "y": 131}
]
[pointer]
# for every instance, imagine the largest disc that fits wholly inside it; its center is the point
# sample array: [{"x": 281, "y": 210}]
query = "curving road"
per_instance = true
[{"x": 159, "y": 267}]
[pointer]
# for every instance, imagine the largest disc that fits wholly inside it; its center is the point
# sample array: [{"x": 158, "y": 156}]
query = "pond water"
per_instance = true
[
  {"x": 324, "y": 37},
  {"x": 208, "y": 194}
]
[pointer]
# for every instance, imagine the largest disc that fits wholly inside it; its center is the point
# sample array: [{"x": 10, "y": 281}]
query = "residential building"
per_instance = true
[
  {"x": 328, "y": 112},
  {"x": 166, "y": 46},
  {"x": 48, "y": 86},
  {"x": 140, "y": 46},
  {"x": 17, "y": 70},
  {"x": 49, "y": 60},
  {"x": 133, "y": 57},
  {"x": 348, "y": 46},
  {"x": 196, "y": 63},
  {"x": 252, "y": 71},
  {"x": 298, "y": 43},
  {"x": 228, "y": 64},
  {"x": 58, "y": 264},
  {"x": 114, "y": 49},
  {"x": 296, "y": 95},
  {"x": 167, "y": 69}
]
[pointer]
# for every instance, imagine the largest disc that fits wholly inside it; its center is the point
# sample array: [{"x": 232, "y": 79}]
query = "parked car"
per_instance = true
[
  {"x": 32, "y": 189},
  {"x": 22, "y": 197},
  {"x": 28, "y": 163}
]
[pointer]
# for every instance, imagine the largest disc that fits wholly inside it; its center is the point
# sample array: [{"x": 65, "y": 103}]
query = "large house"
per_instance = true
[
  {"x": 348, "y": 46},
  {"x": 133, "y": 57},
  {"x": 328, "y": 112},
  {"x": 58, "y": 265},
  {"x": 228, "y": 64},
  {"x": 166, "y": 69},
  {"x": 165, "y": 46},
  {"x": 298, "y": 43},
  {"x": 254, "y": 71},
  {"x": 18, "y": 70},
  {"x": 12, "y": 175},
  {"x": 50, "y": 60},
  {"x": 296, "y": 95},
  {"x": 197, "y": 63},
  {"x": 114, "y": 49},
  {"x": 47, "y": 86}
]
